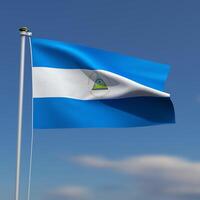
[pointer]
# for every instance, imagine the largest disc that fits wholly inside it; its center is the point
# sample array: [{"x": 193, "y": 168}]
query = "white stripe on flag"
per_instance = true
[{"x": 86, "y": 84}]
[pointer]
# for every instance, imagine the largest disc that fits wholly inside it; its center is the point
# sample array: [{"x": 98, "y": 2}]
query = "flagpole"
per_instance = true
[{"x": 24, "y": 32}]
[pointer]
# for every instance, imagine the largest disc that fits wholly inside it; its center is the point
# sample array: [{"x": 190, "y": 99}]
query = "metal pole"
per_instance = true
[{"x": 23, "y": 33}]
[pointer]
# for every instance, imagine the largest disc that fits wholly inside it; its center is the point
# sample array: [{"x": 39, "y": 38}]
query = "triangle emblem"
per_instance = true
[{"x": 99, "y": 84}]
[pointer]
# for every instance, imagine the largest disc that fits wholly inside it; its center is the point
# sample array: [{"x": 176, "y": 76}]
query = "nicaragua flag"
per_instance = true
[{"x": 78, "y": 87}]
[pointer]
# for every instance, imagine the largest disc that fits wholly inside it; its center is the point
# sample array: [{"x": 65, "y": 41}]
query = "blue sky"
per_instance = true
[{"x": 160, "y": 162}]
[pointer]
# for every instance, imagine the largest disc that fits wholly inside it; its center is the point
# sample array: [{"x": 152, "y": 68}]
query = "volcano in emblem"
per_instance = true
[{"x": 99, "y": 84}]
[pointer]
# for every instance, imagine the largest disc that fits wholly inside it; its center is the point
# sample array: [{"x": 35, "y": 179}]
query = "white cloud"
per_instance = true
[
  {"x": 163, "y": 175},
  {"x": 93, "y": 161},
  {"x": 72, "y": 192}
]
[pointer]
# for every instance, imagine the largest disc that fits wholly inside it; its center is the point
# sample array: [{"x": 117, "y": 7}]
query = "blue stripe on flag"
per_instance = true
[
  {"x": 128, "y": 112},
  {"x": 48, "y": 53}
]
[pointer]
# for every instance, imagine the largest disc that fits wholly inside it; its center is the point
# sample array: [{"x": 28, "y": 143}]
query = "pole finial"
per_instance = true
[
  {"x": 25, "y": 31},
  {"x": 24, "y": 28}
]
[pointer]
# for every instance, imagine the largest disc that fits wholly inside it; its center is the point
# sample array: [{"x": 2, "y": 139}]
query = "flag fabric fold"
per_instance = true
[{"x": 81, "y": 87}]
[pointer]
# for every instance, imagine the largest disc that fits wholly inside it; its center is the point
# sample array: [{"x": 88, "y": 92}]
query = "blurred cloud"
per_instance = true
[
  {"x": 157, "y": 176},
  {"x": 70, "y": 192}
]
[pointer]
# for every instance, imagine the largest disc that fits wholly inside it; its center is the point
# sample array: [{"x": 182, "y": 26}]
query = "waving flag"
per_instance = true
[{"x": 77, "y": 86}]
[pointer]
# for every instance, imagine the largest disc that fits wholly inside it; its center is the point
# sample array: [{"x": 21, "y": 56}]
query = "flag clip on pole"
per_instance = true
[{"x": 24, "y": 32}]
